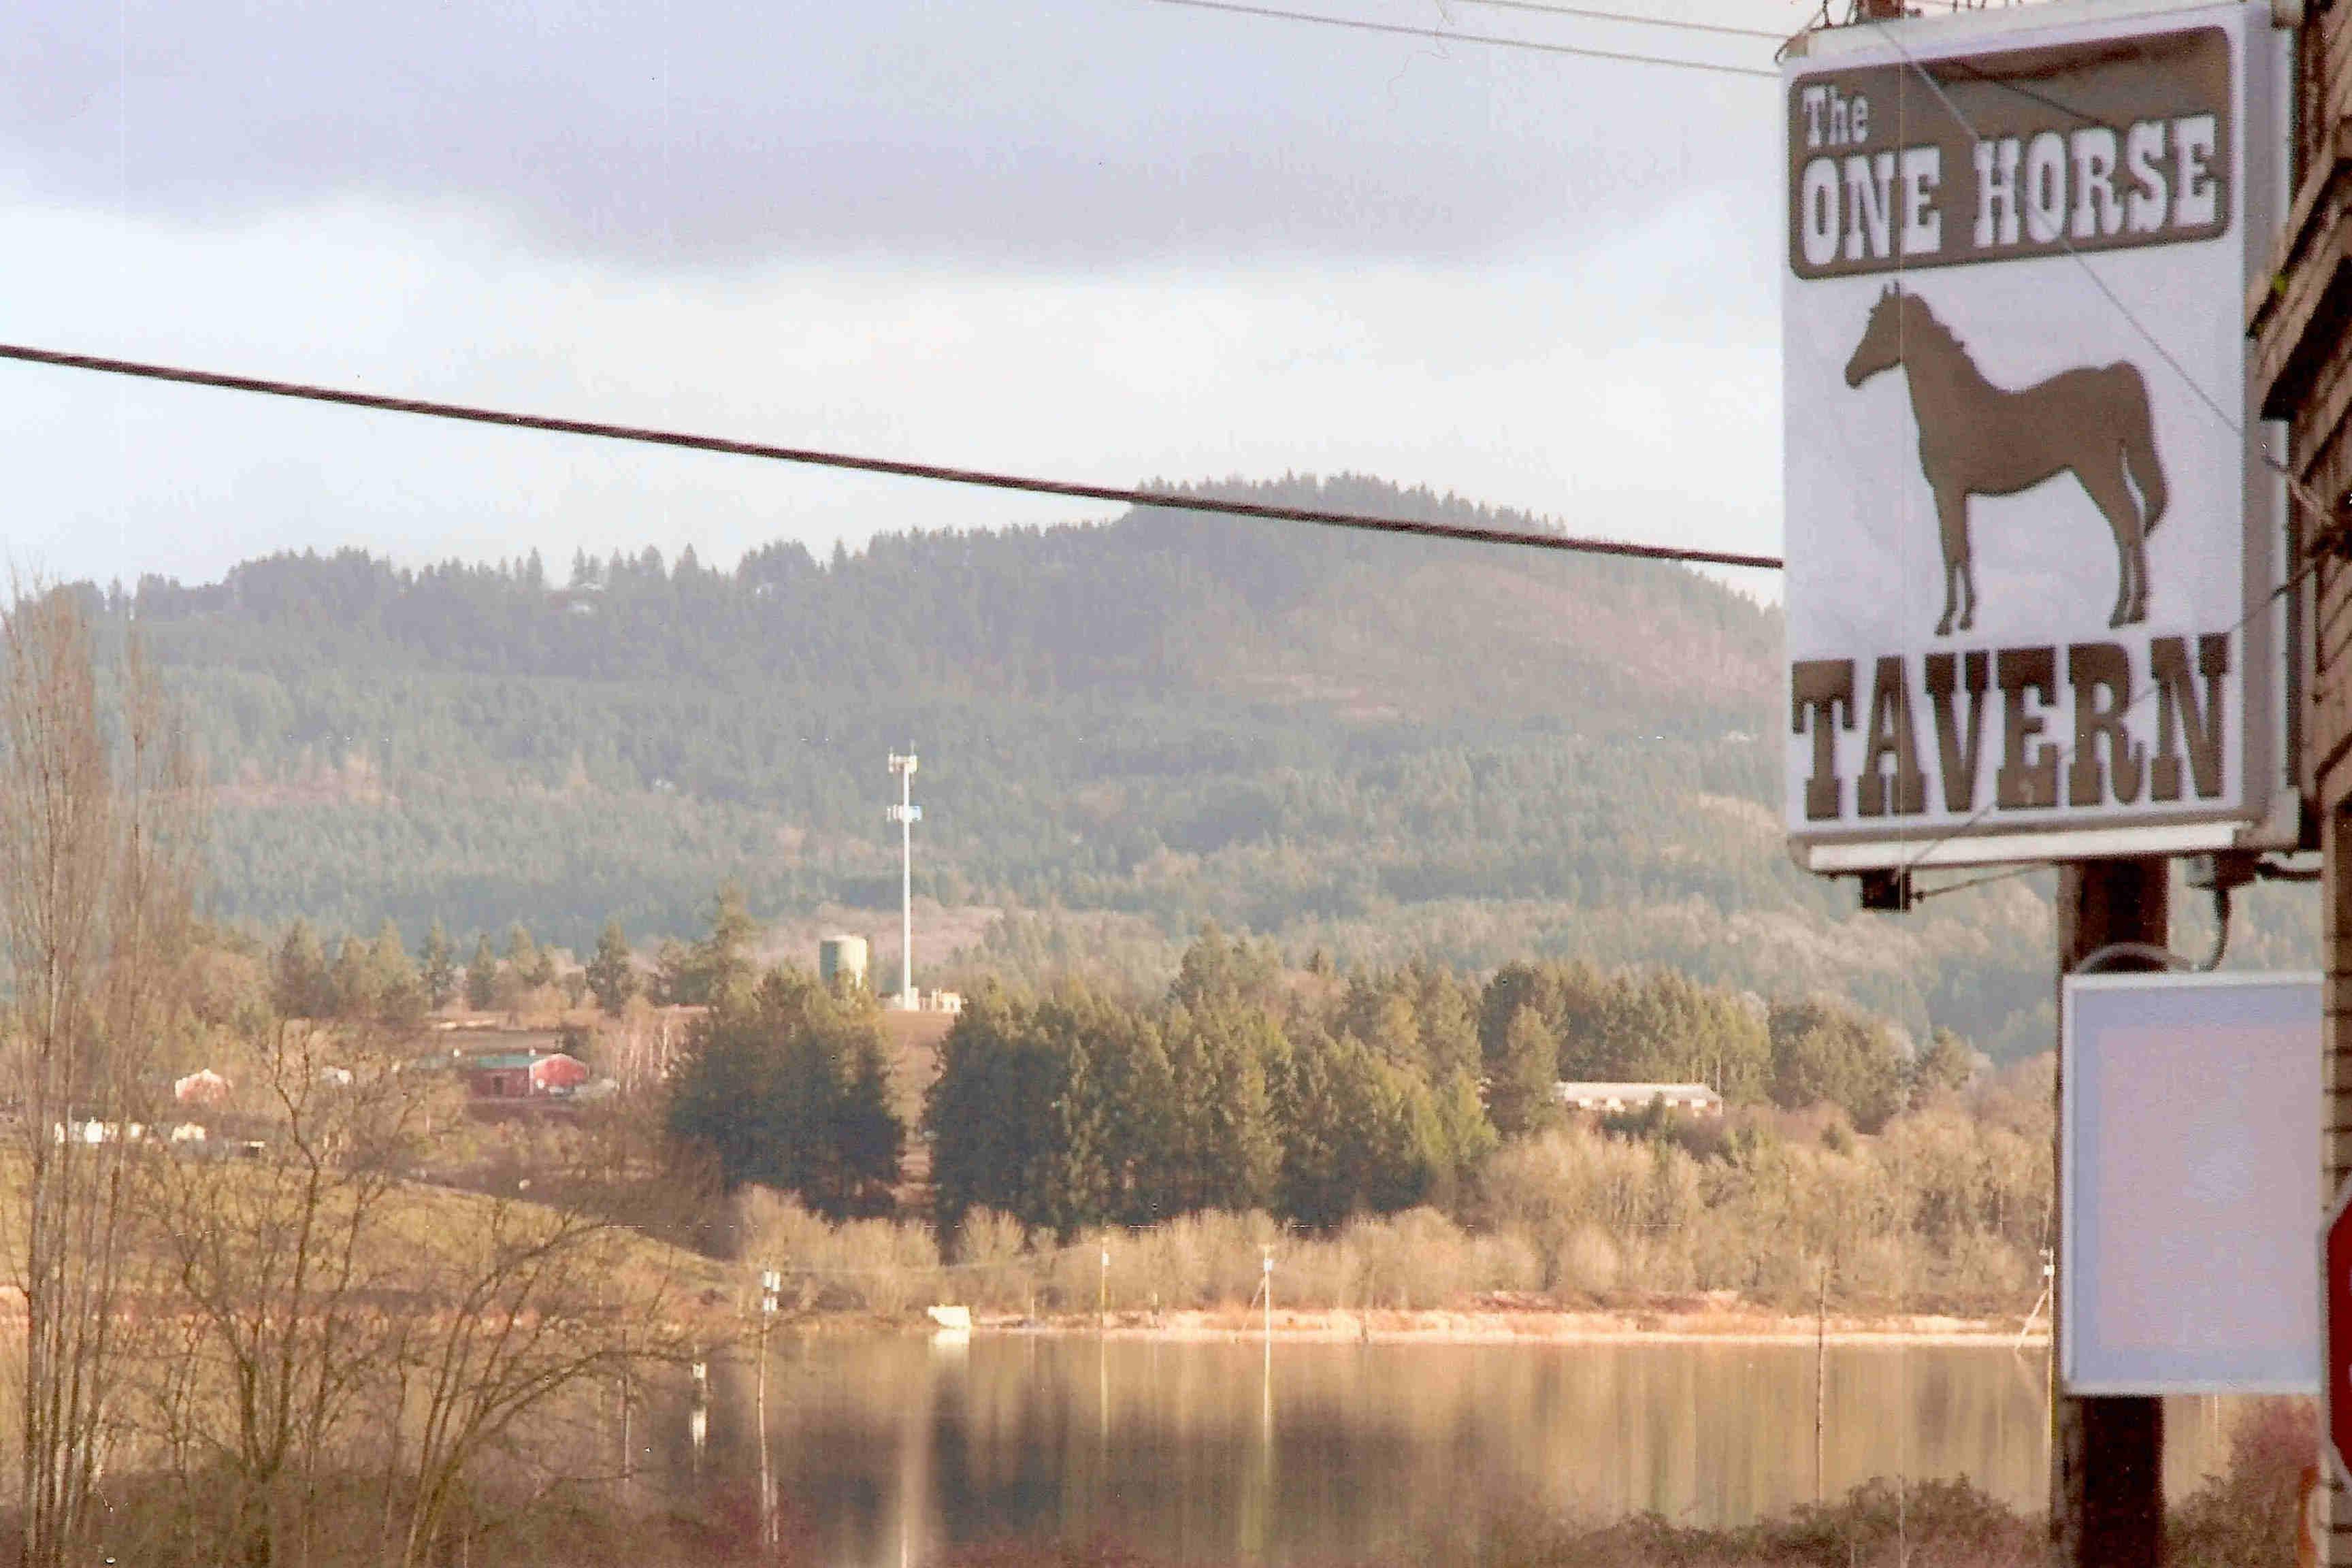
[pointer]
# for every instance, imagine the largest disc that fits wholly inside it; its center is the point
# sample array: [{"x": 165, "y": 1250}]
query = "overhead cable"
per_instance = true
[
  {"x": 810, "y": 457},
  {"x": 1395, "y": 29},
  {"x": 1537, "y": 9},
  {"x": 1923, "y": 894}
]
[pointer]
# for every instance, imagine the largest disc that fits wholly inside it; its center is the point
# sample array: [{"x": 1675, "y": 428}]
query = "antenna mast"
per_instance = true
[{"x": 906, "y": 814}]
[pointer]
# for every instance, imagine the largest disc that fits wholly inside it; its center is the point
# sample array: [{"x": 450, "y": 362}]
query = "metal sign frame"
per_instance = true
[
  {"x": 2260, "y": 808},
  {"x": 2077, "y": 1150}
]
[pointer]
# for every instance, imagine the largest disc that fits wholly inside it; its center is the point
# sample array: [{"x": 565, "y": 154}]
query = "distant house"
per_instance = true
[
  {"x": 949, "y": 1002},
  {"x": 202, "y": 1087},
  {"x": 522, "y": 1075},
  {"x": 94, "y": 1132},
  {"x": 1615, "y": 1099}
]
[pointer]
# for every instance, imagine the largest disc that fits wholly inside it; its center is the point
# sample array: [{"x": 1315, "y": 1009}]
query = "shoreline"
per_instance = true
[{"x": 1682, "y": 1324}]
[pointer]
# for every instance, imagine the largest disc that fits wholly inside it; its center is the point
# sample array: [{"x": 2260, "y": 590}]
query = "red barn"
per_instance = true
[{"x": 523, "y": 1075}]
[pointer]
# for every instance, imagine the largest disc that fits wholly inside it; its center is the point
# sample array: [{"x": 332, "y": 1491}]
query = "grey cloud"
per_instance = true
[{"x": 1013, "y": 132}]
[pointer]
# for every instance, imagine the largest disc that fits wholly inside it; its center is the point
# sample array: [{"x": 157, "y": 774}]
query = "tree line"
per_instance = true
[
  {"x": 1308, "y": 1094},
  {"x": 376, "y": 981}
]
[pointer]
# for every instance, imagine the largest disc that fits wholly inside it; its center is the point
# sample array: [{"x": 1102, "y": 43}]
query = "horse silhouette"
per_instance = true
[{"x": 1976, "y": 439}]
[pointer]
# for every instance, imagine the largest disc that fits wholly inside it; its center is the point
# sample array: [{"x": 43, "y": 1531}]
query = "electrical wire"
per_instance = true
[
  {"x": 1175, "y": 501},
  {"x": 1923, "y": 894},
  {"x": 1395, "y": 29},
  {"x": 1537, "y": 8}
]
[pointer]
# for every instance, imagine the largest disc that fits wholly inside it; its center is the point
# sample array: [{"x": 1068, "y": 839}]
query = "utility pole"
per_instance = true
[
  {"x": 2106, "y": 1452},
  {"x": 906, "y": 814},
  {"x": 770, "y": 1281}
]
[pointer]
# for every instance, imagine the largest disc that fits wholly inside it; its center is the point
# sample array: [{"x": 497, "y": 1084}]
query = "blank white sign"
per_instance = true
[{"x": 2189, "y": 1199}]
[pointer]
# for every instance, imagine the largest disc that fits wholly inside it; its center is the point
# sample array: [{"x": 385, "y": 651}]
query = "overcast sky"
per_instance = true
[{"x": 1112, "y": 240}]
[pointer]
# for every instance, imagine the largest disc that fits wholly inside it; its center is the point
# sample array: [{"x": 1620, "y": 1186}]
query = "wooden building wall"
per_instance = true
[{"x": 2299, "y": 318}]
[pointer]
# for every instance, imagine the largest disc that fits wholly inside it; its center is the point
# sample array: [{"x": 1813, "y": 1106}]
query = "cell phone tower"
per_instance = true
[{"x": 906, "y": 814}]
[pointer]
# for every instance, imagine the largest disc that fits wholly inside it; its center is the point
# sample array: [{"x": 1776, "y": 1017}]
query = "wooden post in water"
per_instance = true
[
  {"x": 1266, "y": 1373},
  {"x": 697, "y": 1419},
  {"x": 628, "y": 1453},
  {"x": 2106, "y": 1452},
  {"x": 771, "y": 1282},
  {"x": 1821, "y": 1377}
]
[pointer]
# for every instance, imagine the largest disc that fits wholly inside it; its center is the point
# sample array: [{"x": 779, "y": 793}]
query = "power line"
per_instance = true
[
  {"x": 2027, "y": 870},
  {"x": 1536, "y": 8},
  {"x": 810, "y": 457},
  {"x": 1441, "y": 36}
]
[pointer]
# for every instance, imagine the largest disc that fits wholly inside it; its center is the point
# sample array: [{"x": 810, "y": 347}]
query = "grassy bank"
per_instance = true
[{"x": 1570, "y": 1223}]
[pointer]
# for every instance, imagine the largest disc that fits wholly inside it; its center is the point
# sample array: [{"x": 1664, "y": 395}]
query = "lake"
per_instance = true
[{"x": 887, "y": 1450}]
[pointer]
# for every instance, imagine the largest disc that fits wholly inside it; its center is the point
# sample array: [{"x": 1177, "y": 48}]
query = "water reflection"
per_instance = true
[{"x": 885, "y": 1451}]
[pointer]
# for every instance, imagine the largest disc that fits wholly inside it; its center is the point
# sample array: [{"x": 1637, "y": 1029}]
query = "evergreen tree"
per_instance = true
[
  {"x": 722, "y": 960},
  {"x": 869, "y": 1138},
  {"x": 1215, "y": 972},
  {"x": 1138, "y": 1093},
  {"x": 399, "y": 994},
  {"x": 673, "y": 964},
  {"x": 612, "y": 978},
  {"x": 482, "y": 975},
  {"x": 1021, "y": 1115},
  {"x": 1357, "y": 1132},
  {"x": 1312, "y": 1185},
  {"x": 1516, "y": 986},
  {"x": 1521, "y": 1097},
  {"x": 1823, "y": 1052},
  {"x": 440, "y": 968},
  {"x": 787, "y": 1087},
  {"x": 1444, "y": 1014},
  {"x": 1224, "y": 1152},
  {"x": 532, "y": 966},
  {"x": 353, "y": 980},
  {"x": 300, "y": 985},
  {"x": 1378, "y": 1010},
  {"x": 719, "y": 963},
  {"x": 1457, "y": 1137}
]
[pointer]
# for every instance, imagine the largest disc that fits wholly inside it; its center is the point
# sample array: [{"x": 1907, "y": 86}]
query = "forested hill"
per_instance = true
[
  {"x": 1376, "y": 745},
  {"x": 1159, "y": 604}
]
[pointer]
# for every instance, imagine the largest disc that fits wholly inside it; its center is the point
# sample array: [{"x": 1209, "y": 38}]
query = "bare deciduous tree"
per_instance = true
[
  {"x": 354, "y": 1361},
  {"x": 99, "y": 828},
  {"x": 535, "y": 1304},
  {"x": 284, "y": 1299}
]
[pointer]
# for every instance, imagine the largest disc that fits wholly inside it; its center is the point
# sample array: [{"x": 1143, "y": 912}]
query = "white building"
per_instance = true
[
  {"x": 1615, "y": 1099},
  {"x": 926, "y": 1001}
]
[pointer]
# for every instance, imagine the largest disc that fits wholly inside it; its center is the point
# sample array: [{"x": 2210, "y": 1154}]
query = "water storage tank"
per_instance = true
[{"x": 841, "y": 957}]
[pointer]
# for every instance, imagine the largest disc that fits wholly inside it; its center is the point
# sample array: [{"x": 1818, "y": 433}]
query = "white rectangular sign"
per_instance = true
[
  {"x": 2032, "y": 543},
  {"x": 2190, "y": 1192}
]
